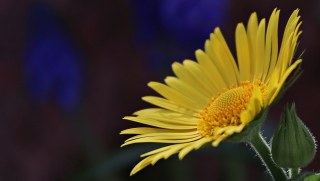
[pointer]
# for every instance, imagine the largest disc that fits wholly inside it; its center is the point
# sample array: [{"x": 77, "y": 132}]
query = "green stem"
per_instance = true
[
  {"x": 262, "y": 149},
  {"x": 294, "y": 172}
]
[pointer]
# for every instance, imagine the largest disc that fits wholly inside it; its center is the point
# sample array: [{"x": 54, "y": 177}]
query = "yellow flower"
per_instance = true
[{"x": 216, "y": 97}]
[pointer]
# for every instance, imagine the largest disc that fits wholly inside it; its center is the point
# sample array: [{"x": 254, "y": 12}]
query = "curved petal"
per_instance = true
[
  {"x": 167, "y": 151},
  {"x": 175, "y": 96},
  {"x": 187, "y": 90}
]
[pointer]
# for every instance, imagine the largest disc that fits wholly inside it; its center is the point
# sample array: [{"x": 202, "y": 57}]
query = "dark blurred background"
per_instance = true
[{"x": 70, "y": 70}]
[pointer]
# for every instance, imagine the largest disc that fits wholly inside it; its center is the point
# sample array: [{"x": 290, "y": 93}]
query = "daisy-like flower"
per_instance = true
[{"x": 210, "y": 99}]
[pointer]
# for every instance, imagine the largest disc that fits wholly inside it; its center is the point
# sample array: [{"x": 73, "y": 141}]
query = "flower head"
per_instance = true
[{"x": 216, "y": 97}]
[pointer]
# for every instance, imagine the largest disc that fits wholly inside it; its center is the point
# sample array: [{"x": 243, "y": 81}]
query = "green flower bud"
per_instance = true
[
  {"x": 314, "y": 177},
  {"x": 292, "y": 146}
]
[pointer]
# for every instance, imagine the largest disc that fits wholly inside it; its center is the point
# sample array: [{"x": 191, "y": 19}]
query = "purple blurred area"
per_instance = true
[
  {"x": 52, "y": 64},
  {"x": 70, "y": 70}
]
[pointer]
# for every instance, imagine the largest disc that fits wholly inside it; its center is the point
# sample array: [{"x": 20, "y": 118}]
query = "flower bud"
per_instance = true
[
  {"x": 293, "y": 146},
  {"x": 313, "y": 177}
]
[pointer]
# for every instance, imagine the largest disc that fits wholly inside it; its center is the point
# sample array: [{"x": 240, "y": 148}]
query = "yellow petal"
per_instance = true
[
  {"x": 242, "y": 46},
  {"x": 272, "y": 41},
  {"x": 260, "y": 45},
  {"x": 167, "y": 104},
  {"x": 175, "y": 96},
  {"x": 187, "y": 90},
  {"x": 284, "y": 77},
  {"x": 252, "y": 36},
  {"x": 160, "y": 124},
  {"x": 167, "y": 116},
  {"x": 210, "y": 70},
  {"x": 184, "y": 75}
]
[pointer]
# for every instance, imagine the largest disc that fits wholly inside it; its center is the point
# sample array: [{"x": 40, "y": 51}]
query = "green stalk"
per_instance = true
[
  {"x": 294, "y": 172},
  {"x": 262, "y": 149}
]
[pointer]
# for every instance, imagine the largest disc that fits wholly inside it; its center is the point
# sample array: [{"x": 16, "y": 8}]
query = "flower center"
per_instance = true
[{"x": 224, "y": 109}]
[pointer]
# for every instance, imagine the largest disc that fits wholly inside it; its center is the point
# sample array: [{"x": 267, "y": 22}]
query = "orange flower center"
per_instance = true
[{"x": 224, "y": 109}]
